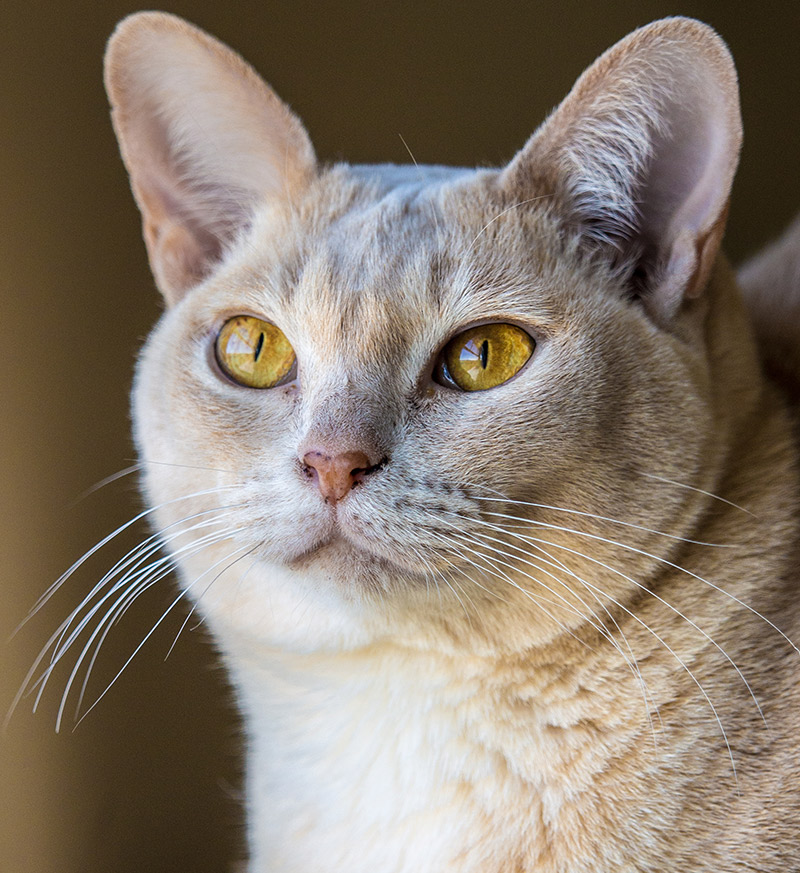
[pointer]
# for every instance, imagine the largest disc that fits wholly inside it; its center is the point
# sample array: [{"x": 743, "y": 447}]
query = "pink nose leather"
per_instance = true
[{"x": 336, "y": 475}]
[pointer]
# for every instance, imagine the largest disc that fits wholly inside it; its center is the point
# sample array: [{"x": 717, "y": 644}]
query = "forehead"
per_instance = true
[
  {"x": 377, "y": 250},
  {"x": 397, "y": 252}
]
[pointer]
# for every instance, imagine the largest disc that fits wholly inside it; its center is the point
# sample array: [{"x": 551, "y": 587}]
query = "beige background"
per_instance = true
[{"x": 149, "y": 780}]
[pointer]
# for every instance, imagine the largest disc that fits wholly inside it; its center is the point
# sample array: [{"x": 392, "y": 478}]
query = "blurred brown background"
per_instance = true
[{"x": 149, "y": 780}]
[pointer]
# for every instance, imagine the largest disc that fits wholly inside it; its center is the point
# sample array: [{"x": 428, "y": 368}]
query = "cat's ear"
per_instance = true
[
  {"x": 204, "y": 139},
  {"x": 641, "y": 155}
]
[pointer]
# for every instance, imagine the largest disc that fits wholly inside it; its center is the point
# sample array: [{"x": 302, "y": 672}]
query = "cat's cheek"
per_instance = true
[{"x": 270, "y": 608}]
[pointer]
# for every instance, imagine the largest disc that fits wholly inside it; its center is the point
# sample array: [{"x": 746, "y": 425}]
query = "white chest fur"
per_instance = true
[{"x": 397, "y": 761}]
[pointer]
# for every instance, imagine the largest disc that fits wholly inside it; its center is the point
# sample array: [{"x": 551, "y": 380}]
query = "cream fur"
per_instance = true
[{"x": 427, "y": 683}]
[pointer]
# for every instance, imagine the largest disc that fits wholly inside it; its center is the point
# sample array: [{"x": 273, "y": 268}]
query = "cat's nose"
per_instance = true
[{"x": 336, "y": 475}]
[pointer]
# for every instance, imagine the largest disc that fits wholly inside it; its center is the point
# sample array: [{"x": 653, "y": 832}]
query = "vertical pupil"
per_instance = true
[
  {"x": 484, "y": 353},
  {"x": 259, "y": 346}
]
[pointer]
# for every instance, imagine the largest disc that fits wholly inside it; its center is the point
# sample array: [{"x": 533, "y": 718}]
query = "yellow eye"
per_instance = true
[
  {"x": 254, "y": 353},
  {"x": 484, "y": 356}
]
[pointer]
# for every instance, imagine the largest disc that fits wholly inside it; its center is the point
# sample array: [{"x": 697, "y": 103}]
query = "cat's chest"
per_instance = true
[{"x": 410, "y": 766}]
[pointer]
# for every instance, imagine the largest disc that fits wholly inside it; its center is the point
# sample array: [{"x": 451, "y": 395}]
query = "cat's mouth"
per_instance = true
[
  {"x": 333, "y": 545},
  {"x": 341, "y": 557}
]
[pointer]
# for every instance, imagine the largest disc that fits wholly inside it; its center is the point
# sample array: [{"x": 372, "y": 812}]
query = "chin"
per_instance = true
[{"x": 352, "y": 569}]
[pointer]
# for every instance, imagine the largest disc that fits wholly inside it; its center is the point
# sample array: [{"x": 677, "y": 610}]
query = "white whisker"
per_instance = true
[
  {"x": 461, "y": 536},
  {"x": 152, "y": 630},
  {"x": 698, "y": 491},
  {"x": 59, "y": 642},
  {"x": 188, "y": 467},
  {"x": 677, "y": 657},
  {"x": 103, "y": 542},
  {"x": 106, "y": 481},
  {"x": 646, "y": 589},
  {"x": 142, "y": 552},
  {"x": 146, "y": 579},
  {"x": 203, "y": 594},
  {"x": 535, "y": 599},
  {"x": 631, "y": 662},
  {"x": 453, "y": 547},
  {"x": 658, "y": 558},
  {"x": 135, "y": 586},
  {"x": 616, "y": 521},
  {"x": 501, "y": 214}
]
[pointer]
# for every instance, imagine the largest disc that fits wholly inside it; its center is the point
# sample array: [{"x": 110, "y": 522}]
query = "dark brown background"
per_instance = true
[{"x": 149, "y": 780}]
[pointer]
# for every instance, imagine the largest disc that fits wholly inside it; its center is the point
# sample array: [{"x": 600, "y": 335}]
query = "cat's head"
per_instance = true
[{"x": 385, "y": 397}]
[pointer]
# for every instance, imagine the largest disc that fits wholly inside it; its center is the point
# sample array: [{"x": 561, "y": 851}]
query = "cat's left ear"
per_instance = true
[
  {"x": 205, "y": 140},
  {"x": 640, "y": 157}
]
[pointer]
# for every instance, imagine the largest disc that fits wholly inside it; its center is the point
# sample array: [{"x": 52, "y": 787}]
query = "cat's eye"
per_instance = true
[
  {"x": 254, "y": 353},
  {"x": 484, "y": 356}
]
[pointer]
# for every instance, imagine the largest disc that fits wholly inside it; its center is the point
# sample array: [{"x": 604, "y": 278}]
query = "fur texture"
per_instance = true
[
  {"x": 771, "y": 285},
  {"x": 541, "y": 632}
]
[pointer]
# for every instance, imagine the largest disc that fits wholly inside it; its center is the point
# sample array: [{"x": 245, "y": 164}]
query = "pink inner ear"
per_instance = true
[
  {"x": 687, "y": 183},
  {"x": 178, "y": 256},
  {"x": 205, "y": 140},
  {"x": 682, "y": 202}
]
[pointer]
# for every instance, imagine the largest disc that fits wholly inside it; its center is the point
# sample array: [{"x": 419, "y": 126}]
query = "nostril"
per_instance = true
[
  {"x": 360, "y": 473},
  {"x": 357, "y": 475},
  {"x": 337, "y": 474}
]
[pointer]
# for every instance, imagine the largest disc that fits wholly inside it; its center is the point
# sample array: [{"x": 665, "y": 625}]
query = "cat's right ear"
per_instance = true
[
  {"x": 204, "y": 139},
  {"x": 640, "y": 157}
]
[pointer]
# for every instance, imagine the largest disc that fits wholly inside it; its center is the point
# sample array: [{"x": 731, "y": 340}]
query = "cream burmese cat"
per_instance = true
[{"x": 474, "y": 475}]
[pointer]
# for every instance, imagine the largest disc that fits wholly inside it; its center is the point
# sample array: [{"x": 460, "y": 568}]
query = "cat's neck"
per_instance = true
[{"x": 361, "y": 747}]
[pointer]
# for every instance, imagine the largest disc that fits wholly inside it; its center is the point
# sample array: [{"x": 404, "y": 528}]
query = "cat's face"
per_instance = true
[
  {"x": 454, "y": 507},
  {"x": 368, "y": 297}
]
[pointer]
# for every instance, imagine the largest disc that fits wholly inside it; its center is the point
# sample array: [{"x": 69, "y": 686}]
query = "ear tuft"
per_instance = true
[
  {"x": 641, "y": 157},
  {"x": 204, "y": 139}
]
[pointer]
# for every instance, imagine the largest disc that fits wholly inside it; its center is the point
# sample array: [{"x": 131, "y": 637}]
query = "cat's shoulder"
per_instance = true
[{"x": 770, "y": 281}]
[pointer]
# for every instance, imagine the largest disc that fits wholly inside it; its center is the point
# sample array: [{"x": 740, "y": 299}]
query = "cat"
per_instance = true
[{"x": 476, "y": 476}]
